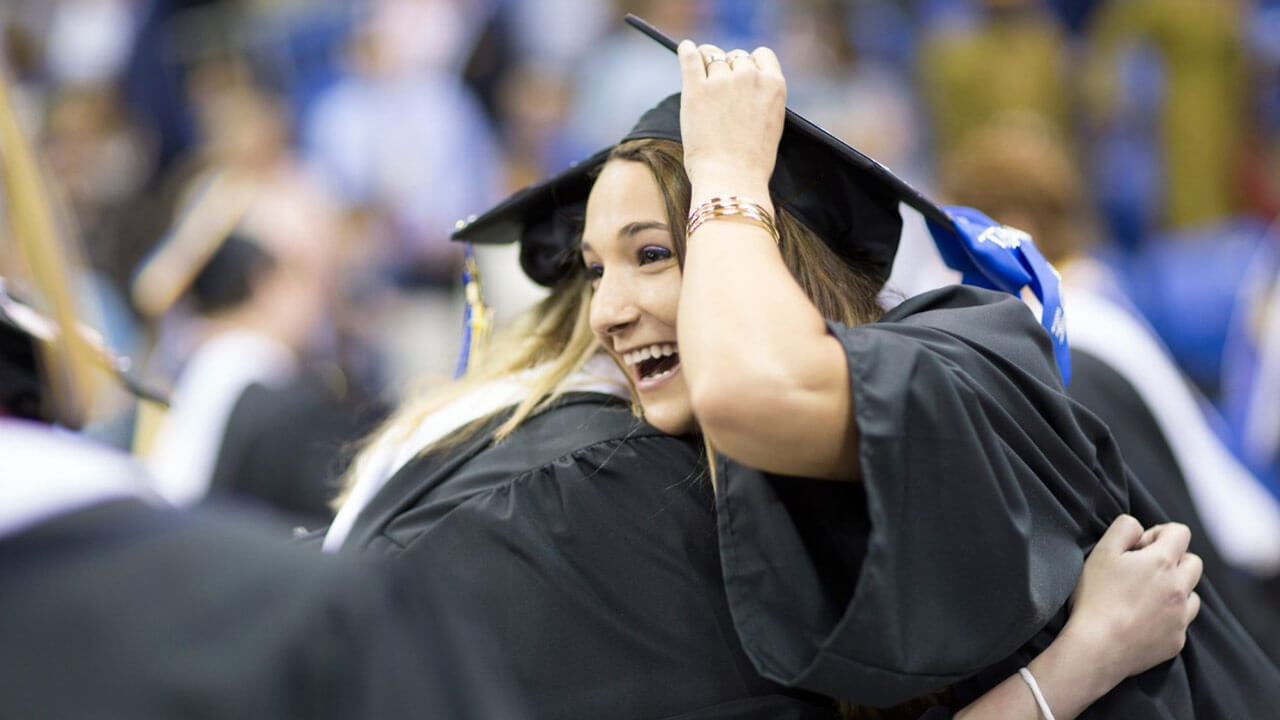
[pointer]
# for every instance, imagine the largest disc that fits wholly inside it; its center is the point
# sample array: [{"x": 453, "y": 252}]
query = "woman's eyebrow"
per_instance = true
[
  {"x": 634, "y": 228},
  {"x": 629, "y": 230}
]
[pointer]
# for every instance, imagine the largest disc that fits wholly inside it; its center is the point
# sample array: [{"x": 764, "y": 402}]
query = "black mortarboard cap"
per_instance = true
[{"x": 849, "y": 200}]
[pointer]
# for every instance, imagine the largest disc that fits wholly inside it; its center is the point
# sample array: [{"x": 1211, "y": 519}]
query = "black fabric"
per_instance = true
[
  {"x": 585, "y": 543},
  {"x": 20, "y": 389},
  {"x": 952, "y": 559},
  {"x": 830, "y": 187},
  {"x": 287, "y": 446},
  {"x": 1107, "y": 394},
  {"x": 121, "y": 610}
]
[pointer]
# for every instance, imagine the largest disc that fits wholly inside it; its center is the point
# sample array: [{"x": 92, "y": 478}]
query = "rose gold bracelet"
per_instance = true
[{"x": 732, "y": 206}]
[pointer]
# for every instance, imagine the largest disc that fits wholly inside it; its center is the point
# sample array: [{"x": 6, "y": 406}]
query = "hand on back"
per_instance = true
[{"x": 1136, "y": 596}]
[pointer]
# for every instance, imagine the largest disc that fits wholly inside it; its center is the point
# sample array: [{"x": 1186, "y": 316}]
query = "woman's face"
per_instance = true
[{"x": 631, "y": 259}]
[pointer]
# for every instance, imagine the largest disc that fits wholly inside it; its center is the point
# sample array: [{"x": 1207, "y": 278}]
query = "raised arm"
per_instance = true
[
  {"x": 1130, "y": 612},
  {"x": 769, "y": 385}
]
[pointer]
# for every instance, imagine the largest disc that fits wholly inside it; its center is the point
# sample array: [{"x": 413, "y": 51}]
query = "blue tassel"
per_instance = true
[{"x": 475, "y": 315}]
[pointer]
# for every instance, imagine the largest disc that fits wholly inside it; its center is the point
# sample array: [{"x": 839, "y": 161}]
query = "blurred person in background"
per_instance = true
[
  {"x": 1010, "y": 55},
  {"x": 114, "y": 604},
  {"x": 1251, "y": 366},
  {"x": 604, "y": 108},
  {"x": 1019, "y": 170},
  {"x": 1203, "y": 102},
  {"x": 1178, "y": 162},
  {"x": 99, "y": 160},
  {"x": 261, "y": 406},
  {"x": 850, "y": 79},
  {"x": 392, "y": 134},
  {"x": 253, "y": 416},
  {"x": 405, "y": 147}
]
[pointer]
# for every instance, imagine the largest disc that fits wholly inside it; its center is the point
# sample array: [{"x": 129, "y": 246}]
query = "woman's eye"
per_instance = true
[
  {"x": 653, "y": 253},
  {"x": 595, "y": 271}
]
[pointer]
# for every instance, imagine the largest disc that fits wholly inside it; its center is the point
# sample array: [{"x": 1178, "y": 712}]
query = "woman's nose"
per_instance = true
[{"x": 613, "y": 310}]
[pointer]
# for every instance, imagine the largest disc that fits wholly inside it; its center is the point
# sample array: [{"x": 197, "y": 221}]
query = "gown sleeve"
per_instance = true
[{"x": 980, "y": 491}]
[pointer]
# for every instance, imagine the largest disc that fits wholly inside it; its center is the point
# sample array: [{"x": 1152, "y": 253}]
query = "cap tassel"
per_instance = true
[{"x": 477, "y": 318}]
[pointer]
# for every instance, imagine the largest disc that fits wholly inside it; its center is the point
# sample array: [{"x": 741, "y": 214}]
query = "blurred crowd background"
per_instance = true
[{"x": 348, "y": 137}]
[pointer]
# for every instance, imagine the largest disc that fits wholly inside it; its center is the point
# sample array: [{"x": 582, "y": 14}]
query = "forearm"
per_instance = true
[
  {"x": 751, "y": 343},
  {"x": 738, "y": 294},
  {"x": 1069, "y": 681}
]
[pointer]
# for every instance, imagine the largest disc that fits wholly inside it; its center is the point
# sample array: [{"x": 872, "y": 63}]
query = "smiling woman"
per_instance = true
[{"x": 633, "y": 247}]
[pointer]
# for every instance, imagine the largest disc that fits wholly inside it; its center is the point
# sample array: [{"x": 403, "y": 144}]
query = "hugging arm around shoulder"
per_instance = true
[
  {"x": 980, "y": 490},
  {"x": 949, "y": 564}
]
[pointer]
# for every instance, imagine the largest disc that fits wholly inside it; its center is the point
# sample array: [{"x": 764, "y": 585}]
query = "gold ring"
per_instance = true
[
  {"x": 716, "y": 58},
  {"x": 736, "y": 55}
]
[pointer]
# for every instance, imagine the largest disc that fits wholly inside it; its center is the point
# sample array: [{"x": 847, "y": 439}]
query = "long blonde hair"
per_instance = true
[{"x": 555, "y": 335}]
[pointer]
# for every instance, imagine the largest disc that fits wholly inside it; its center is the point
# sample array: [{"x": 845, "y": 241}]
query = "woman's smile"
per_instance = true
[{"x": 651, "y": 366}]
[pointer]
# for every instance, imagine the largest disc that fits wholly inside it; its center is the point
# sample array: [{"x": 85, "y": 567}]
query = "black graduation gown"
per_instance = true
[
  {"x": 1107, "y": 394},
  {"x": 949, "y": 564},
  {"x": 585, "y": 543},
  {"x": 115, "y": 608},
  {"x": 121, "y": 610},
  {"x": 286, "y": 447}
]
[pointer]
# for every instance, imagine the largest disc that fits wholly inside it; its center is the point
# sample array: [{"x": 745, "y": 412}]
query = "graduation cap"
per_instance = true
[{"x": 847, "y": 199}]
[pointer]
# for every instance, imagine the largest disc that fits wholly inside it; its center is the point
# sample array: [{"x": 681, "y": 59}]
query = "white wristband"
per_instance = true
[{"x": 1035, "y": 690}]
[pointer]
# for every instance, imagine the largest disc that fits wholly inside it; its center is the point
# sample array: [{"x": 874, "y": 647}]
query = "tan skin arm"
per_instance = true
[
  {"x": 1130, "y": 612},
  {"x": 769, "y": 386}
]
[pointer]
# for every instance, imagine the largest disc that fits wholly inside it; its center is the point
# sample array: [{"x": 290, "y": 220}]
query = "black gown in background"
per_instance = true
[
  {"x": 115, "y": 608},
  {"x": 585, "y": 544},
  {"x": 286, "y": 447},
  {"x": 949, "y": 564}
]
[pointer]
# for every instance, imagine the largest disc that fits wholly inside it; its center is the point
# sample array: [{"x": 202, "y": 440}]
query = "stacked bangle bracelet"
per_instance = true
[{"x": 732, "y": 206}]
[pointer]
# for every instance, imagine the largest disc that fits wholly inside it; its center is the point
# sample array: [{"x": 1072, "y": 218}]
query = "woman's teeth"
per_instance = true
[
  {"x": 653, "y": 362},
  {"x": 647, "y": 353}
]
